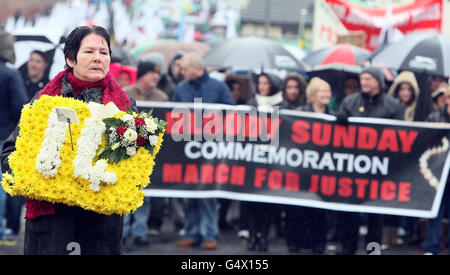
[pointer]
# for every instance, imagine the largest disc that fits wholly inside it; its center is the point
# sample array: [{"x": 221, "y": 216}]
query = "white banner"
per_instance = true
[{"x": 326, "y": 26}]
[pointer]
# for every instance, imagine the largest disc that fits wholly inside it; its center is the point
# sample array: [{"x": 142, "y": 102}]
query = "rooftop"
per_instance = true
[{"x": 280, "y": 11}]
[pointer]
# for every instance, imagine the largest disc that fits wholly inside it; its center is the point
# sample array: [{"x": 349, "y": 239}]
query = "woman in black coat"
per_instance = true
[
  {"x": 306, "y": 228},
  {"x": 259, "y": 214},
  {"x": 58, "y": 228}
]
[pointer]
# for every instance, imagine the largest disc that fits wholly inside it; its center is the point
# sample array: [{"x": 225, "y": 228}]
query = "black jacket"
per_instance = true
[
  {"x": 309, "y": 108},
  {"x": 33, "y": 88},
  {"x": 13, "y": 97},
  {"x": 378, "y": 106},
  {"x": 169, "y": 81},
  {"x": 287, "y": 105},
  {"x": 440, "y": 116}
]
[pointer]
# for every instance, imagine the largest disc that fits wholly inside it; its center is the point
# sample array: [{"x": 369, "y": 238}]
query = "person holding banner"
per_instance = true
[
  {"x": 267, "y": 91},
  {"x": 294, "y": 96},
  {"x": 293, "y": 92},
  {"x": 260, "y": 214},
  {"x": 54, "y": 228},
  {"x": 406, "y": 90},
  {"x": 433, "y": 236},
  {"x": 307, "y": 227},
  {"x": 371, "y": 101},
  {"x": 438, "y": 97}
]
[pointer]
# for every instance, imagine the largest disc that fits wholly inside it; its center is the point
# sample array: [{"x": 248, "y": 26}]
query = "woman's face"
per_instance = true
[
  {"x": 93, "y": 59},
  {"x": 405, "y": 93},
  {"x": 292, "y": 90},
  {"x": 263, "y": 86},
  {"x": 440, "y": 101},
  {"x": 323, "y": 95},
  {"x": 236, "y": 91}
]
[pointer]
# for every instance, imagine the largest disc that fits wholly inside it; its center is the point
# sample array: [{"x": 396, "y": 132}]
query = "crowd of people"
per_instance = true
[{"x": 200, "y": 221}]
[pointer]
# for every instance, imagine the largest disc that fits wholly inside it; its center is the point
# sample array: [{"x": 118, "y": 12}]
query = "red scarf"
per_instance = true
[{"x": 112, "y": 93}]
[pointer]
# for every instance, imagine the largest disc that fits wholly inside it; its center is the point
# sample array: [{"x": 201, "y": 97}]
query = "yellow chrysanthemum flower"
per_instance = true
[{"x": 122, "y": 197}]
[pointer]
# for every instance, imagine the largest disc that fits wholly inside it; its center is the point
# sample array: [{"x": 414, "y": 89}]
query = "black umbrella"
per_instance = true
[
  {"x": 251, "y": 53},
  {"x": 48, "y": 41},
  {"x": 423, "y": 52},
  {"x": 336, "y": 75}
]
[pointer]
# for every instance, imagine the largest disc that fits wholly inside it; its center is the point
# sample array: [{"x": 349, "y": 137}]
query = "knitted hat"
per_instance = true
[
  {"x": 7, "y": 47},
  {"x": 146, "y": 67},
  {"x": 377, "y": 74}
]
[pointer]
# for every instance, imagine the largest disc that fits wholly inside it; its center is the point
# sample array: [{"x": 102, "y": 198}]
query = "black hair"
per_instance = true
[
  {"x": 274, "y": 81},
  {"x": 355, "y": 77},
  {"x": 178, "y": 55},
  {"x": 41, "y": 53},
  {"x": 231, "y": 82},
  {"x": 301, "y": 98},
  {"x": 145, "y": 67},
  {"x": 74, "y": 39}
]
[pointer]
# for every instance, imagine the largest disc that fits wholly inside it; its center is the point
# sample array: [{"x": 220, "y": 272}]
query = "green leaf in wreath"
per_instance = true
[
  {"x": 129, "y": 111},
  {"x": 112, "y": 122},
  {"x": 149, "y": 113},
  {"x": 103, "y": 150},
  {"x": 122, "y": 153},
  {"x": 149, "y": 148}
]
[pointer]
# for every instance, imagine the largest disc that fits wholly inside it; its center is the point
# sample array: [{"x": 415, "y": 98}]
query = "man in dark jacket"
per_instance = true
[
  {"x": 198, "y": 84},
  {"x": 201, "y": 224},
  {"x": 370, "y": 102},
  {"x": 13, "y": 97}
]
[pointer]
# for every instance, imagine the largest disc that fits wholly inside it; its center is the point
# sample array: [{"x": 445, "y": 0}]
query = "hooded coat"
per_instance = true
[
  {"x": 406, "y": 77},
  {"x": 275, "y": 96},
  {"x": 169, "y": 81}
]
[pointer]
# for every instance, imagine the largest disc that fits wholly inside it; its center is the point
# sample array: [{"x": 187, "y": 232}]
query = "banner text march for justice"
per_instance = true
[{"x": 304, "y": 157}]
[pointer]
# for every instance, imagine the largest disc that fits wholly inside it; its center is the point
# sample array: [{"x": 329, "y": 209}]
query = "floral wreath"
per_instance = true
[{"x": 100, "y": 164}]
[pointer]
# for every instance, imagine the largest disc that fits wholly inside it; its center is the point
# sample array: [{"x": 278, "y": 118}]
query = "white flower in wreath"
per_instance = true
[
  {"x": 153, "y": 140},
  {"x": 49, "y": 160},
  {"x": 130, "y": 135},
  {"x": 131, "y": 151},
  {"x": 150, "y": 125},
  {"x": 127, "y": 117}
]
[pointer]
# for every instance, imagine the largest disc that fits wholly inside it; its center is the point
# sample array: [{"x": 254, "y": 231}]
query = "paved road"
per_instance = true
[{"x": 229, "y": 244}]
